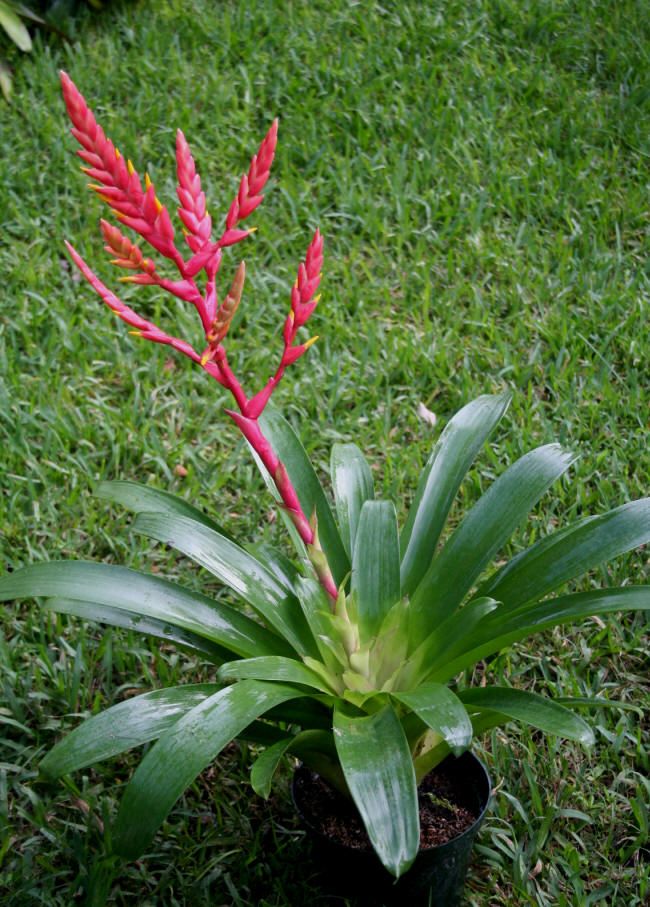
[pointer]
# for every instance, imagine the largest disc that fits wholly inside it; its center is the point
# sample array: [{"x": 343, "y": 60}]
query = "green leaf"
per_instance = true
[
  {"x": 143, "y": 499},
  {"x": 448, "y": 639},
  {"x": 500, "y": 628},
  {"x": 280, "y": 566},
  {"x": 529, "y": 708},
  {"x": 485, "y": 529},
  {"x": 26, "y": 13},
  {"x": 570, "y": 552},
  {"x": 315, "y": 605},
  {"x": 266, "y": 765},
  {"x": 353, "y": 486},
  {"x": 446, "y": 468},
  {"x": 144, "y": 597},
  {"x": 235, "y": 567},
  {"x": 14, "y": 27},
  {"x": 597, "y": 702},
  {"x": 310, "y": 493},
  {"x": 387, "y": 652},
  {"x": 375, "y": 565},
  {"x": 442, "y": 711},
  {"x": 125, "y": 725},
  {"x": 275, "y": 668},
  {"x": 183, "y": 752},
  {"x": 149, "y": 626},
  {"x": 5, "y": 81},
  {"x": 378, "y": 769}
]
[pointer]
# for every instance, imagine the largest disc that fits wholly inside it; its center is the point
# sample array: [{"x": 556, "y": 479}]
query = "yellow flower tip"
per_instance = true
[
  {"x": 94, "y": 187},
  {"x": 252, "y": 230},
  {"x": 291, "y": 317},
  {"x": 128, "y": 279},
  {"x": 85, "y": 169},
  {"x": 147, "y": 181},
  {"x": 311, "y": 341},
  {"x": 316, "y": 299},
  {"x": 205, "y": 359},
  {"x": 158, "y": 204},
  {"x": 130, "y": 167},
  {"x": 135, "y": 333},
  {"x": 117, "y": 154}
]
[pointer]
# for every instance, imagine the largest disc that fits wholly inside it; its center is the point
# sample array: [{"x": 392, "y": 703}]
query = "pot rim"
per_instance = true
[{"x": 453, "y": 842}]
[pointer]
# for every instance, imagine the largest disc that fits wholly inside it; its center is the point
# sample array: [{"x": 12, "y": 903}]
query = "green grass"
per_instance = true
[{"x": 480, "y": 173}]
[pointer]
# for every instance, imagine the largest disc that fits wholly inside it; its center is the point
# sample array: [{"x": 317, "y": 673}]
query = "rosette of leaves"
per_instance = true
[{"x": 365, "y": 690}]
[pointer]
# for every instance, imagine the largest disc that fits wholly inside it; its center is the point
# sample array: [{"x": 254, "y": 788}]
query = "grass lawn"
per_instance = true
[{"x": 480, "y": 172}]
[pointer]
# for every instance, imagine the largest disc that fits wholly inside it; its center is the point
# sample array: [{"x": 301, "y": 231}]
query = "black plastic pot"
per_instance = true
[{"x": 437, "y": 876}]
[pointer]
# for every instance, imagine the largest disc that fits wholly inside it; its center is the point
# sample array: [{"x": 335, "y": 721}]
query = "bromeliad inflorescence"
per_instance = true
[{"x": 137, "y": 207}]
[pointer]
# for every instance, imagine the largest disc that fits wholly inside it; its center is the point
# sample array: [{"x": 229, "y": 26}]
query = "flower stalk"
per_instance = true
[{"x": 137, "y": 207}]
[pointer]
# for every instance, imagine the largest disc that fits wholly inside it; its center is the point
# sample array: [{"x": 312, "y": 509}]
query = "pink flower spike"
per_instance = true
[
  {"x": 193, "y": 210},
  {"x": 120, "y": 308},
  {"x": 116, "y": 181},
  {"x": 260, "y": 167},
  {"x": 120, "y": 185},
  {"x": 309, "y": 274},
  {"x": 144, "y": 328},
  {"x": 250, "y": 185},
  {"x": 123, "y": 250},
  {"x": 314, "y": 257},
  {"x": 227, "y": 309}
]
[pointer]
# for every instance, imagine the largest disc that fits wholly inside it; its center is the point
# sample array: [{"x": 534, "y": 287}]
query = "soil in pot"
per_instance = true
[{"x": 453, "y": 799}]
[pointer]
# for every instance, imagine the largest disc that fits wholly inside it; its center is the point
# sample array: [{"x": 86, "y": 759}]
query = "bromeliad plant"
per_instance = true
[{"x": 353, "y": 664}]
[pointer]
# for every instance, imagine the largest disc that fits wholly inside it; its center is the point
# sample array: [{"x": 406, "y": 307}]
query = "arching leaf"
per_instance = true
[
  {"x": 187, "y": 748},
  {"x": 235, "y": 567},
  {"x": 125, "y": 725},
  {"x": 570, "y": 552},
  {"x": 144, "y": 499},
  {"x": 145, "y": 597},
  {"x": 485, "y": 529},
  {"x": 353, "y": 486},
  {"x": 453, "y": 454},
  {"x": 529, "y": 708}
]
